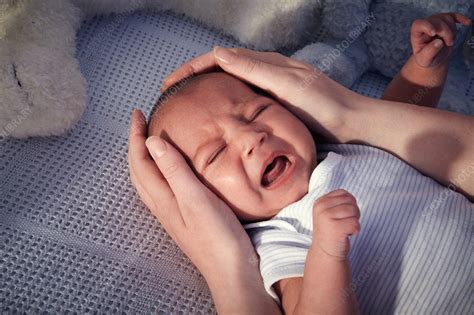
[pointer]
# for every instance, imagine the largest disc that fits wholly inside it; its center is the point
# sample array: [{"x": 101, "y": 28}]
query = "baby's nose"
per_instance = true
[{"x": 252, "y": 140}]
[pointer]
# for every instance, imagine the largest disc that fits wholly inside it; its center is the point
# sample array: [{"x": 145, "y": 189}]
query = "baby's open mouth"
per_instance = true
[{"x": 274, "y": 171}]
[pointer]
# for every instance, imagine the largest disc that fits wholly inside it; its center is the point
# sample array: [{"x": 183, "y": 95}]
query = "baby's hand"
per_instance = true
[
  {"x": 432, "y": 39},
  {"x": 335, "y": 217}
]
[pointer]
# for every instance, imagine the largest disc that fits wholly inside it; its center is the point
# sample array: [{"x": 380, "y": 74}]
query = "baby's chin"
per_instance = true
[{"x": 299, "y": 191}]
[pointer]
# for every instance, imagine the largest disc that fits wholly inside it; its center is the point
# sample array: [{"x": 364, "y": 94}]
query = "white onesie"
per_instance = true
[{"x": 413, "y": 254}]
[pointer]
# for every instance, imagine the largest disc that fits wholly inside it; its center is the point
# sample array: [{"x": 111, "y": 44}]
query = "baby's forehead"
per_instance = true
[
  {"x": 189, "y": 120},
  {"x": 218, "y": 86},
  {"x": 213, "y": 94},
  {"x": 196, "y": 118}
]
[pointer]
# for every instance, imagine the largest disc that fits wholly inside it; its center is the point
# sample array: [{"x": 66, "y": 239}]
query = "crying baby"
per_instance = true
[{"x": 240, "y": 142}]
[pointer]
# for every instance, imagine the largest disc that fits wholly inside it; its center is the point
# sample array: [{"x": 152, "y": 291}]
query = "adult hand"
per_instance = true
[
  {"x": 202, "y": 225},
  {"x": 303, "y": 89}
]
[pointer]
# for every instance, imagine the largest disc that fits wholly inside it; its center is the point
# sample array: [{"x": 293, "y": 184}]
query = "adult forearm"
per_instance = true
[
  {"x": 241, "y": 291},
  {"x": 436, "y": 142},
  {"x": 326, "y": 286},
  {"x": 417, "y": 85}
]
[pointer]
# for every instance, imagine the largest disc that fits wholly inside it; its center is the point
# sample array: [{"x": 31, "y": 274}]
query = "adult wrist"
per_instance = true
[
  {"x": 241, "y": 291},
  {"x": 349, "y": 119}
]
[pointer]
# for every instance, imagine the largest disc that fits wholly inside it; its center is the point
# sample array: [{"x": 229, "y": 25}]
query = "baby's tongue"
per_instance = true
[{"x": 274, "y": 170}]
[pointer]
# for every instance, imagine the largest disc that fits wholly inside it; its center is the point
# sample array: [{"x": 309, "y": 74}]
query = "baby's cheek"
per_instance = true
[
  {"x": 231, "y": 187},
  {"x": 298, "y": 190}
]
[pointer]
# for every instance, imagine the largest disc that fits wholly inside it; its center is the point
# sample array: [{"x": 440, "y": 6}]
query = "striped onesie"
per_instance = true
[{"x": 413, "y": 254}]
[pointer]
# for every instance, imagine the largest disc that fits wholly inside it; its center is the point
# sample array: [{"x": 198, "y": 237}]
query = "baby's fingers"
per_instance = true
[
  {"x": 444, "y": 29},
  {"x": 348, "y": 226},
  {"x": 422, "y": 27},
  {"x": 428, "y": 56},
  {"x": 343, "y": 211},
  {"x": 459, "y": 18},
  {"x": 333, "y": 199}
]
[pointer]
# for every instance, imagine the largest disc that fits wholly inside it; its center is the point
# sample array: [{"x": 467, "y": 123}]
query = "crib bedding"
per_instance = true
[{"x": 74, "y": 234}]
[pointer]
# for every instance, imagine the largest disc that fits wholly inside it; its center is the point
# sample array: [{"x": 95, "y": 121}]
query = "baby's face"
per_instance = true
[{"x": 247, "y": 148}]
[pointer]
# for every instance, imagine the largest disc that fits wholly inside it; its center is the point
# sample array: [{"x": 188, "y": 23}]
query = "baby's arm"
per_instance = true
[
  {"x": 422, "y": 78},
  {"x": 325, "y": 287}
]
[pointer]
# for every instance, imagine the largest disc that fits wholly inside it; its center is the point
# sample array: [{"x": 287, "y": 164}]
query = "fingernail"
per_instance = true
[
  {"x": 156, "y": 146},
  {"x": 438, "y": 43},
  {"x": 162, "y": 87},
  {"x": 225, "y": 55}
]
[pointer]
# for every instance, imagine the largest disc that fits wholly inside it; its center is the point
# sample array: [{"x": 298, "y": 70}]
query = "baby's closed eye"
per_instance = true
[
  {"x": 217, "y": 153},
  {"x": 258, "y": 112}
]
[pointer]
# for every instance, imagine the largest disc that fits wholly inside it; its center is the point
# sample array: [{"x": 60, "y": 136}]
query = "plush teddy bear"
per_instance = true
[
  {"x": 43, "y": 90},
  {"x": 44, "y": 93}
]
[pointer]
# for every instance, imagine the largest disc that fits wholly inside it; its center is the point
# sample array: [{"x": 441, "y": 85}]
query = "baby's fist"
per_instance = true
[
  {"x": 432, "y": 39},
  {"x": 335, "y": 217}
]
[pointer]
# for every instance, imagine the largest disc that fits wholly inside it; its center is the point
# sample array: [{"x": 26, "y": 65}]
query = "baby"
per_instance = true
[
  {"x": 260, "y": 158},
  {"x": 264, "y": 163}
]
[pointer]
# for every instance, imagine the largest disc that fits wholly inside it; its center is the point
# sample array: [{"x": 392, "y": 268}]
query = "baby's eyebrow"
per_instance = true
[{"x": 240, "y": 108}]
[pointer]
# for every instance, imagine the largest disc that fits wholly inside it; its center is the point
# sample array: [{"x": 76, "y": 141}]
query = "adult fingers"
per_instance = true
[
  {"x": 270, "y": 57},
  {"x": 136, "y": 126},
  {"x": 200, "y": 64},
  {"x": 148, "y": 180},
  {"x": 208, "y": 62},
  {"x": 187, "y": 188},
  {"x": 255, "y": 71}
]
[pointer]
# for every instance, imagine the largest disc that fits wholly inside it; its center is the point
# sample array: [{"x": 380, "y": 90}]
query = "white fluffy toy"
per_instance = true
[{"x": 42, "y": 91}]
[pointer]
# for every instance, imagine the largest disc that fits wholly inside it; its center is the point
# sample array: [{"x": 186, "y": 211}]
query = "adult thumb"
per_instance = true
[{"x": 254, "y": 71}]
